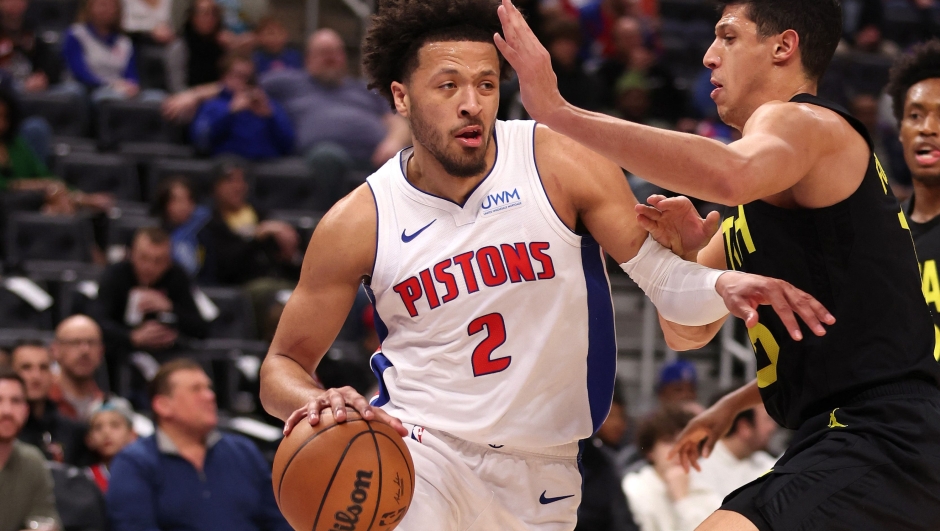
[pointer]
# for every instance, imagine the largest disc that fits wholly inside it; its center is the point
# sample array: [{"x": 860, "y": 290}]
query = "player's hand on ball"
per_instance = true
[
  {"x": 743, "y": 293},
  {"x": 538, "y": 85},
  {"x": 674, "y": 223},
  {"x": 334, "y": 402},
  {"x": 700, "y": 435}
]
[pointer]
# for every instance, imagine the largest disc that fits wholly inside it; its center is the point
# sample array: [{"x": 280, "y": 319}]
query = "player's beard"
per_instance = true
[{"x": 468, "y": 164}]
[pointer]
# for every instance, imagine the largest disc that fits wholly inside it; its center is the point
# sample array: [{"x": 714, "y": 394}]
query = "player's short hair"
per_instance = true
[
  {"x": 817, "y": 22},
  {"x": 401, "y": 27},
  {"x": 663, "y": 424},
  {"x": 923, "y": 62}
]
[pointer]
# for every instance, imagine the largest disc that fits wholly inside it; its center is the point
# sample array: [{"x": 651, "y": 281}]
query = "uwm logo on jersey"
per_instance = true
[
  {"x": 501, "y": 202},
  {"x": 489, "y": 266}
]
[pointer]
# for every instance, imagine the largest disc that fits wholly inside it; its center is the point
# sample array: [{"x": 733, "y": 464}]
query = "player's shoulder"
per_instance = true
[
  {"x": 784, "y": 116},
  {"x": 354, "y": 214}
]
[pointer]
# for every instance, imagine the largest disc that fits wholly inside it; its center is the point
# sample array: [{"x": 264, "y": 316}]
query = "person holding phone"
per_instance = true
[{"x": 242, "y": 119}]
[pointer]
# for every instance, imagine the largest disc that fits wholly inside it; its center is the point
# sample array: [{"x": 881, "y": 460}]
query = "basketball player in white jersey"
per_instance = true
[{"x": 481, "y": 249}]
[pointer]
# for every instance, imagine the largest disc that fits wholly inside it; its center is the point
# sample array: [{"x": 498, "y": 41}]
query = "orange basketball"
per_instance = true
[{"x": 354, "y": 476}]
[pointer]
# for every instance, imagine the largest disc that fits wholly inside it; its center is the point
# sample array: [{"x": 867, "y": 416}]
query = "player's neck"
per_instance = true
[
  {"x": 783, "y": 89},
  {"x": 427, "y": 174},
  {"x": 926, "y": 202}
]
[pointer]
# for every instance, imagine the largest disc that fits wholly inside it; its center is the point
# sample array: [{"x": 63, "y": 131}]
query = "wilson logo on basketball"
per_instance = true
[{"x": 347, "y": 520}]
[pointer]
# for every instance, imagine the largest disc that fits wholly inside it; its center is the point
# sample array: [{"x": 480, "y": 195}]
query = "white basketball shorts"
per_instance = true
[{"x": 464, "y": 486}]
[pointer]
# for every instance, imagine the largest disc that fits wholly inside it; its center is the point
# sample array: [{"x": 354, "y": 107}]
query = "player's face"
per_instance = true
[
  {"x": 451, "y": 101},
  {"x": 920, "y": 131},
  {"x": 739, "y": 59}
]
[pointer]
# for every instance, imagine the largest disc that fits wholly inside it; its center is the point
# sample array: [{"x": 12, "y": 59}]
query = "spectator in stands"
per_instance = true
[
  {"x": 26, "y": 496},
  {"x": 741, "y": 456},
  {"x": 615, "y": 439},
  {"x": 110, "y": 430},
  {"x": 341, "y": 126},
  {"x": 60, "y": 438},
  {"x": 597, "y": 21},
  {"x": 188, "y": 475},
  {"x": 631, "y": 56},
  {"x": 146, "y": 303},
  {"x": 147, "y": 22},
  {"x": 603, "y": 505},
  {"x": 194, "y": 59},
  {"x": 865, "y": 107},
  {"x": 78, "y": 350},
  {"x": 242, "y": 120},
  {"x": 183, "y": 219},
  {"x": 100, "y": 56},
  {"x": 678, "y": 383},
  {"x": 241, "y": 245},
  {"x": 661, "y": 495},
  {"x": 33, "y": 62},
  {"x": 273, "y": 53},
  {"x": 563, "y": 40}
]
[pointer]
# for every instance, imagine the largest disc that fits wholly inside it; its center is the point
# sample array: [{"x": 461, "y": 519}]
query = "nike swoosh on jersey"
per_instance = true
[
  {"x": 545, "y": 501},
  {"x": 409, "y": 237}
]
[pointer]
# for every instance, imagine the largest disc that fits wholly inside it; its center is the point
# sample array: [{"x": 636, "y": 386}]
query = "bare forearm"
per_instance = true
[
  {"x": 680, "y": 162},
  {"x": 285, "y": 386},
  {"x": 743, "y": 399},
  {"x": 682, "y": 338}
]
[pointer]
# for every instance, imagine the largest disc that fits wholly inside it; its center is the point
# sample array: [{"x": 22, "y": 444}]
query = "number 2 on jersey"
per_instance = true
[{"x": 482, "y": 360}]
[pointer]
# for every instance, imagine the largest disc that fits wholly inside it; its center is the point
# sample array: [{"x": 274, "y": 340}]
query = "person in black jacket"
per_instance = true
[{"x": 146, "y": 303}]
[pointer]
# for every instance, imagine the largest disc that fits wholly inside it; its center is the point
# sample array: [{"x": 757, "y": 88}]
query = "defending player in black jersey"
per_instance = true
[
  {"x": 915, "y": 89},
  {"x": 810, "y": 204}
]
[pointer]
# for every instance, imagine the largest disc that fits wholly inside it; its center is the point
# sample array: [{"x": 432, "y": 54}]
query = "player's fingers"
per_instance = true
[
  {"x": 508, "y": 51},
  {"x": 712, "y": 222},
  {"x": 360, "y": 404},
  {"x": 293, "y": 419},
  {"x": 396, "y": 424},
  {"x": 338, "y": 405},
  {"x": 784, "y": 310},
  {"x": 648, "y": 212},
  {"x": 805, "y": 308},
  {"x": 655, "y": 199}
]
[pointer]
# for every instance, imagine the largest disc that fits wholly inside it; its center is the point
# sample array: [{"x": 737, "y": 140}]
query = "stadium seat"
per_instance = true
[
  {"x": 151, "y": 65},
  {"x": 64, "y": 145},
  {"x": 199, "y": 172},
  {"x": 60, "y": 110},
  {"x": 287, "y": 185},
  {"x": 688, "y": 10},
  {"x": 99, "y": 172},
  {"x": 236, "y": 318},
  {"x": 32, "y": 236},
  {"x": 53, "y": 14},
  {"x": 133, "y": 121},
  {"x": 148, "y": 151},
  {"x": 60, "y": 271},
  {"x": 16, "y": 313}
]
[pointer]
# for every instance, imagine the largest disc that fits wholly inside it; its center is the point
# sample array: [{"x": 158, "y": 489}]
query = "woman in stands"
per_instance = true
[
  {"x": 194, "y": 59},
  {"x": 100, "y": 56},
  {"x": 182, "y": 218}
]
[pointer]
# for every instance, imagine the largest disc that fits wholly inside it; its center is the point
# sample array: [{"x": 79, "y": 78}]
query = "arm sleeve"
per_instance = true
[
  {"x": 212, "y": 125},
  {"x": 130, "y": 496},
  {"x": 75, "y": 59},
  {"x": 683, "y": 292},
  {"x": 281, "y": 130}
]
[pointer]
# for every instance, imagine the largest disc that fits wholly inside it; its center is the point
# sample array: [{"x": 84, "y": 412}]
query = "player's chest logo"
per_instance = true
[{"x": 499, "y": 202}]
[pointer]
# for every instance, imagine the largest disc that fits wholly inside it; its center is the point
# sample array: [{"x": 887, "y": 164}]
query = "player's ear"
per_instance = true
[
  {"x": 402, "y": 102},
  {"x": 786, "y": 46}
]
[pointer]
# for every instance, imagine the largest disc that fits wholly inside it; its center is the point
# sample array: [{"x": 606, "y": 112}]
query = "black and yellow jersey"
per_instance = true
[
  {"x": 927, "y": 242},
  {"x": 857, "y": 258}
]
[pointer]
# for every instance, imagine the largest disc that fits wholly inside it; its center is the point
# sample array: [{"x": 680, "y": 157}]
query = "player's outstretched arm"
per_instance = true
[
  {"x": 340, "y": 255},
  {"x": 782, "y": 142},
  {"x": 699, "y": 437}
]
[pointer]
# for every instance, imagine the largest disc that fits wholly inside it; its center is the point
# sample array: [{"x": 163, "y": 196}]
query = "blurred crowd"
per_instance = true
[{"x": 163, "y": 164}]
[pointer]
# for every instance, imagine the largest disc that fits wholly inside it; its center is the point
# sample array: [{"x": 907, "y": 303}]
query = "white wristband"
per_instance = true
[{"x": 683, "y": 292}]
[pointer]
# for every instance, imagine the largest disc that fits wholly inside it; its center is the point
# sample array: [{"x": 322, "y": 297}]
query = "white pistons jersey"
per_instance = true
[{"x": 495, "y": 319}]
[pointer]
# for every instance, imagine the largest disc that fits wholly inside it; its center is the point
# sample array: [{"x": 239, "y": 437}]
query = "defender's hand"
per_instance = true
[
  {"x": 674, "y": 223},
  {"x": 699, "y": 437},
  {"x": 336, "y": 400},
  {"x": 538, "y": 84},
  {"x": 743, "y": 293}
]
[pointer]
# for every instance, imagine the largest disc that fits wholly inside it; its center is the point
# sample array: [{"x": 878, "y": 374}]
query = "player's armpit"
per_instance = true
[{"x": 340, "y": 254}]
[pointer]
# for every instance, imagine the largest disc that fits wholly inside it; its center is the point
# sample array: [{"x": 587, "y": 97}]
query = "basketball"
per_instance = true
[{"x": 357, "y": 475}]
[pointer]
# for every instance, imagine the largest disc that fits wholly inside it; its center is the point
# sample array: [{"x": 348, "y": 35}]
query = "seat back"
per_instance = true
[
  {"x": 17, "y": 313},
  {"x": 200, "y": 174},
  {"x": 236, "y": 318},
  {"x": 100, "y": 172},
  {"x": 287, "y": 185},
  {"x": 133, "y": 121},
  {"x": 62, "y": 111},
  {"x": 32, "y": 236}
]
